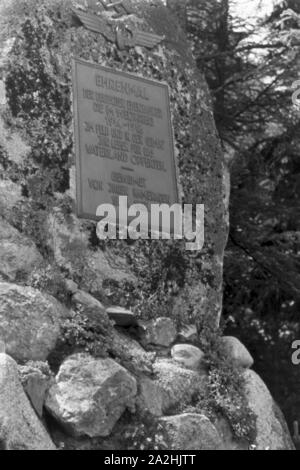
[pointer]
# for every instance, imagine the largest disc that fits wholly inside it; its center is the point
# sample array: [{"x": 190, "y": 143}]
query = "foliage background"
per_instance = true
[{"x": 251, "y": 65}]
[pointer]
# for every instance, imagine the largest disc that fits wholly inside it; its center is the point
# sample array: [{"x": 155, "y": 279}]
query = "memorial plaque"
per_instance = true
[{"x": 124, "y": 139}]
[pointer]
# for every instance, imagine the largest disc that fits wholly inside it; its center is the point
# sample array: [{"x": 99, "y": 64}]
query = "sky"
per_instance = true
[
  {"x": 254, "y": 8},
  {"x": 251, "y": 11}
]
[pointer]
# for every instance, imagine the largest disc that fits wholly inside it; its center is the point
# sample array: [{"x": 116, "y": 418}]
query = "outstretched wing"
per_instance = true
[
  {"x": 149, "y": 40},
  {"x": 94, "y": 23}
]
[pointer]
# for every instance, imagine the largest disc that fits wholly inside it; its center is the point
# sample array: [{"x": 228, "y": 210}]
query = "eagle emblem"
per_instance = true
[{"x": 110, "y": 31}]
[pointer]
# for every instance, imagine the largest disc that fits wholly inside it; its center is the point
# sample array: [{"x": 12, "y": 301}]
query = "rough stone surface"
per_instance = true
[
  {"x": 159, "y": 332},
  {"x": 95, "y": 266},
  {"x": 2, "y": 93},
  {"x": 237, "y": 352},
  {"x": 86, "y": 300},
  {"x": 2, "y": 347},
  {"x": 10, "y": 195},
  {"x": 150, "y": 397},
  {"x": 20, "y": 428},
  {"x": 196, "y": 139},
  {"x": 189, "y": 356},
  {"x": 179, "y": 385},
  {"x": 272, "y": 431},
  {"x": 229, "y": 155},
  {"x": 131, "y": 354},
  {"x": 110, "y": 266},
  {"x": 18, "y": 255},
  {"x": 36, "y": 379},
  {"x": 12, "y": 143},
  {"x": 190, "y": 431},
  {"x": 29, "y": 322},
  {"x": 90, "y": 395},
  {"x": 71, "y": 286}
]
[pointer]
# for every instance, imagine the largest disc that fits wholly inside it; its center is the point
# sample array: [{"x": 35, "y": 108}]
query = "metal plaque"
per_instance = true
[{"x": 124, "y": 139}]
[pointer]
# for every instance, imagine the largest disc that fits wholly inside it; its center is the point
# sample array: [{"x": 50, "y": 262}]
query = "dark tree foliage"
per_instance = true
[{"x": 251, "y": 67}]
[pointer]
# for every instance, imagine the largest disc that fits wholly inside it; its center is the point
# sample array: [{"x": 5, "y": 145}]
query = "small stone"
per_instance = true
[
  {"x": 160, "y": 332},
  {"x": 131, "y": 354},
  {"x": 188, "y": 334},
  {"x": 71, "y": 286},
  {"x": 87, "y": 300},
  {"x": 122, "y": 317},
  {"x": 188, "y": 355},
  {"x": 190, "y": 431},
  {"x": 237, "y": 352}
]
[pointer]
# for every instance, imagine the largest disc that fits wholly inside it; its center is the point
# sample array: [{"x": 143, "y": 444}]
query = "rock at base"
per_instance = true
[
  {"x": 150, "y": 397},
  {"x": 190, "y": 431},
  {"x": 271, "y": 428},
  {"x": 159, "y": 332},
  {"x": 237, "y": 352},
  {"x": 20, "y": 428},
  {"x": 131, "y": 354},
  {"x": 188, "y": 356},
  {"x": 88, "y": 301},
  {"x": 29, "y": 322},
  {"x": 90, "y": 395},
  {"x": 179, "y": 385}
]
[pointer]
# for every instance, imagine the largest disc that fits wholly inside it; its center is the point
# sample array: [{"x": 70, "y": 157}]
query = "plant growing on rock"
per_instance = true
[
  {"x": 225, "y": 392},
  {"x": 88, "y": 331},
  {"x": 145, "y": 434},
  {"x": 51, "y": 280}
]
